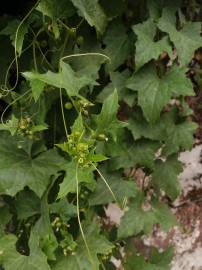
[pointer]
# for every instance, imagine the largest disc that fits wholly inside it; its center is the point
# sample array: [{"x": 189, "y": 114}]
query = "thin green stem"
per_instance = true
[
  {"x": 106, "y": 183},
  {"x": 13, "y": 102},
  {"x": 79, "y": 221},
  {"x": 15, "y": 44}
]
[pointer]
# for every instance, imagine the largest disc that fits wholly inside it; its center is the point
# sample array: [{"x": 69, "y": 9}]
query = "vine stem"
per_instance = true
[
  {"x": 79, "y": 220},
  {"x": 85, "y": 54},
  {"x": 13, "y": 102},
  {"x": 15, "y": 47},
  {"x": 106, "y": 183}
]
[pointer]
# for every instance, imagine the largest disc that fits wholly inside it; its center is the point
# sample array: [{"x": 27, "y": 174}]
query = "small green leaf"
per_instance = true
[
  {"x": 11, "y": 125},
  {"x": 85, "y": 175},
  {"x": 78, "y": 125},
  {"x": 107, "y": 121},
  {"x": 37, "y": 88}
]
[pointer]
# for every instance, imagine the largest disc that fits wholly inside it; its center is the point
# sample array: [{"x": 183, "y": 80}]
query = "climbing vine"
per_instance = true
[{"x": 92, "y": 92}]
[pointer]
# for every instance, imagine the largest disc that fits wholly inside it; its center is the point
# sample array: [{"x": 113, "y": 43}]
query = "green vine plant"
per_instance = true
[{"x": 92, "y": 91}]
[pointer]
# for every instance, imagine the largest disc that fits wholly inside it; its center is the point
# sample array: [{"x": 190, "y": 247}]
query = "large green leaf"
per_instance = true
[
  {"x": 186, "y": 40},
  {"x": 139, "y": 127},
  {"x": 117, "y": 44},
  {"x": 120, "y": 187},
  {"x": 18, "y": 169},
  {"x": 175, "y": 136},
  {"x": 141, "y": 153},
  {"x": 92, "y": 12},
  {"x": 155, "y": 92},
  {"x": 165, "y": 176},
  {"x": 145, "y": 35},
  {"x": 97, "y": 244},
  {"x": 142, "y": 215},
  {"x": 66, "y": 78},
  {"x": 11, "y": 259}
]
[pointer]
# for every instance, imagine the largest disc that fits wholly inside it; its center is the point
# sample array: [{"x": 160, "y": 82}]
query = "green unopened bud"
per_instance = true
[
  {"x": 102, "y": 137},
  {"x": 68, "y": 105}
]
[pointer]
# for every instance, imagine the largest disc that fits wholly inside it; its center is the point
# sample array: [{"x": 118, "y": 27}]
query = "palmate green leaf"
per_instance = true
[
  {"x": 146, "y": 32},
  {"x": 85, "y": 175},
  {"x": 165, "y": 176},
  {"x": 66, "y": 78},
  {"x": 186, "y": 40},
  {"x": 175, "y": 136},
  {"x": 157, "y": 261},
  {"x": 18, "y": 169},
  {"x": 140, "y": 128},
  {"x": 97, "y": 243},
  {"x": 180, "y": 137},
  {"x": 141, "y": 153},
  {"x": 117, "y": 44},
  {"x": 155, "y": 92},
  {"x": 92, "y": 12},
  {"x": 107, "y": 121},
  {"x": 142, "y": 215},
  {"x": 11, "y": 259},
  {"x": 120, "y": 187},
  {"x": 16, "y": 33}
]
